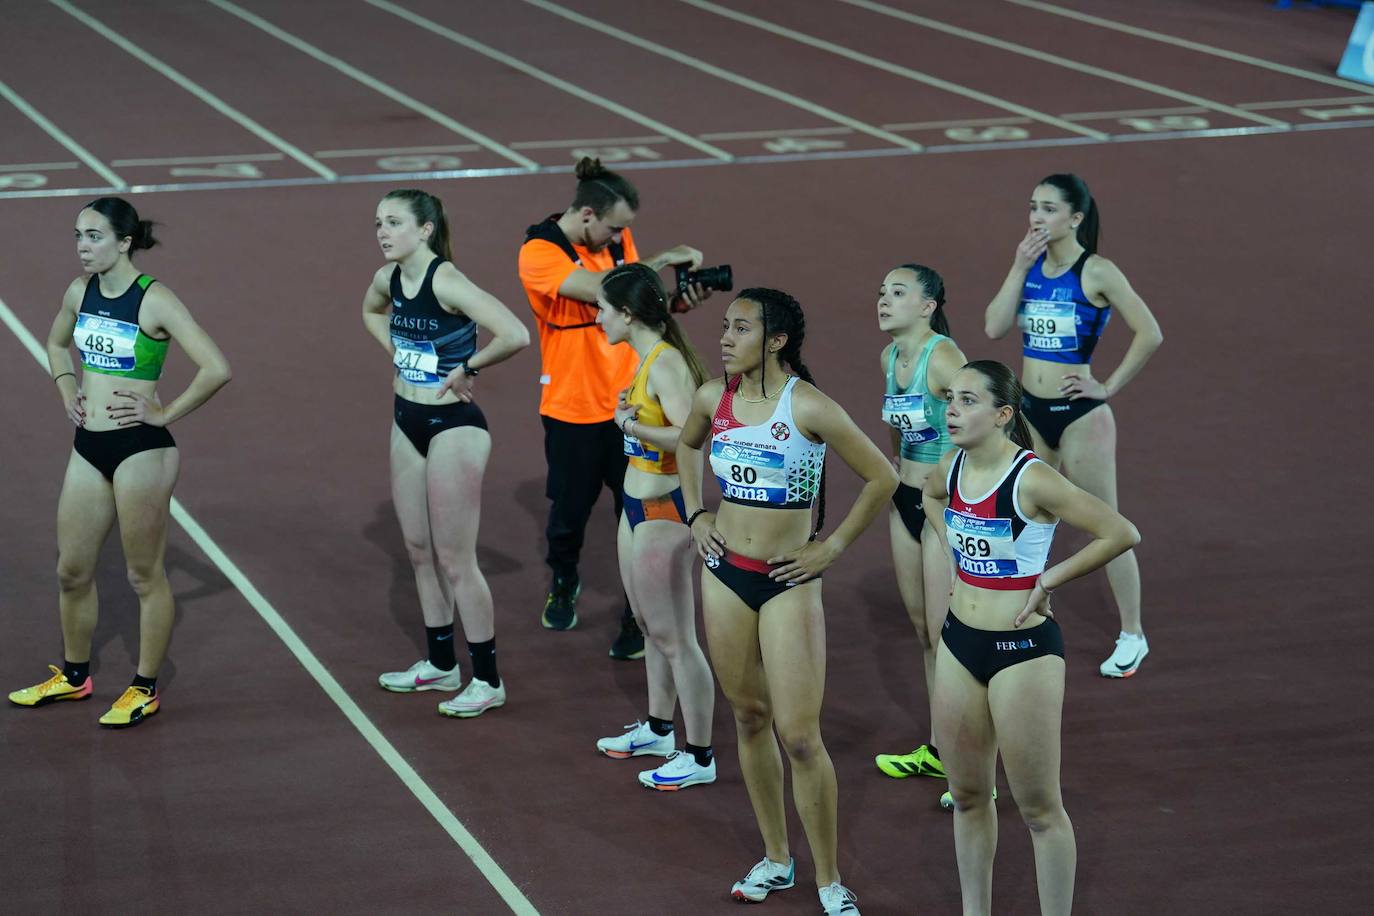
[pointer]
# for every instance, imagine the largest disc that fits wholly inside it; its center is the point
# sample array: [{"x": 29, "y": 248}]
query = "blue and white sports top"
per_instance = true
[
  {"x": 430, "y": 341},
  {"x": 1058, "y": 322},
  {"x": 994, "y": 545},
  {"x": 770, "y": 464}
]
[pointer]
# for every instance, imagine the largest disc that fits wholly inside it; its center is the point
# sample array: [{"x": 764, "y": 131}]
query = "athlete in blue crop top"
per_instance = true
[
  {"x": 999, "y": 683},
  {"x": 1061, "y": 294},
  {"x": 124, "y": 462},
  {"x": 767, "y": 429},
  {"x": 917, "y": 368},
  {"x": 426, "y": 314}
]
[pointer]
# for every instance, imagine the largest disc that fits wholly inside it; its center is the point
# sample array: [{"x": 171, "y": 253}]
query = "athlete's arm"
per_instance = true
[
  {"x": 166, "y": 315},
  {"x": 1045, "y": 492},
  {"x": 457, "y": 293},
  {"x": 60, "y": 353},
  {"x": 1102, "y": 278},
  {"x": 1000, "y": 316},
  {"x": 690, "y": 467},
  {"x": 377, "y": 309},
  {"x": 935, "y": 496},
  {"x": 945, "y": 361},
  {"x": 825, "y": 420},
  {"x": 670, "y": 382},
  {"x": 893, "y": 433}
]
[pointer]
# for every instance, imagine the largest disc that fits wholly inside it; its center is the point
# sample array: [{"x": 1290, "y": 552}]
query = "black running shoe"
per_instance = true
[
  {"x": 629, "y": 644},
  {"x": 560, "y": 606}
]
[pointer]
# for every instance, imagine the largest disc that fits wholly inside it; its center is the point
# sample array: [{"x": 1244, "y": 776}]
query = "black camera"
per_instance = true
[{"x": 710, "y": 278}]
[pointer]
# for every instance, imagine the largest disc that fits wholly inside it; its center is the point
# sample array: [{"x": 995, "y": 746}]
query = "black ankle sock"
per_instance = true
[
  {"x": 702, "y": 755},
  {"x": 148, "y": 683},
  {"x": 660, "y": 727},
  {"x": 76, "y": 672},
  {"x": 483, "y": 655},
  {"x": 440, "y": 641}
]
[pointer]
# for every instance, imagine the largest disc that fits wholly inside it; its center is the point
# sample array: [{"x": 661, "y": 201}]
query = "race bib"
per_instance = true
[
  {"x": 906, "y": 413},
  {"x": 982, "y": 546},
  {"x": 416, "y": 362},
  {"x": 749, "y": 474},
  {"x": 106, "y": 344},
  {"x": 1049, "y": 325},
  {"x": 635, "y": 449}
]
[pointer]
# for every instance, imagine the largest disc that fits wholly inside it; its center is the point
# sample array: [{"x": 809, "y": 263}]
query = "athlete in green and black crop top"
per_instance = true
[
  {"x": 918, "y": 366},
  {"x": 124, "y": 461}
]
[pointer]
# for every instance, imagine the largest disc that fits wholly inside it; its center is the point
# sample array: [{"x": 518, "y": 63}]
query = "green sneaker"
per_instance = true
[{"x": 920, "y": 762}]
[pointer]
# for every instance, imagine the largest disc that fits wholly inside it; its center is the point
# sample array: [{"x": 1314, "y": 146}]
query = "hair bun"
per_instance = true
[{"x": 588, "y": 168}]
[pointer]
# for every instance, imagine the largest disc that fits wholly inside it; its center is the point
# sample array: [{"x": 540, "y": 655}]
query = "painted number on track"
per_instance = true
[
  {"x": 1331, "y": 114},
  {"x": 418, "y": 163},
  {"x": 986, "y": 134},
  {"x": 801, "y": 145},
  {"x": 617, "y": 153},
  {"x": 223, "y": 170},
  {"x": 1168, "y": 122},
  {"x": 23, "y": 180}
]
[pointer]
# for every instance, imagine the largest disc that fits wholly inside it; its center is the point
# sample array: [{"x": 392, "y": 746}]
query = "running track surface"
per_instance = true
[{"x": 1221, "y": 779}]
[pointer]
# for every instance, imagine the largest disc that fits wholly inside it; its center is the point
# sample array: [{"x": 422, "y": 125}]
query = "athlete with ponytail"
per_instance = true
[
  {"x": 1062, "y": 293},
  {"x": 425, "y": 313},
  {"x": 769, "y": 428},
  {"x": 654, "y": 546},
  {"x": 918, "y": 366},
  {"x": 124, "y": 461},
  {"x": 999, "y": 681}
]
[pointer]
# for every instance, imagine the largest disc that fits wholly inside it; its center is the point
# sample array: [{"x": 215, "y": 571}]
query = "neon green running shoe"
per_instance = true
[{"x": 920, "y": 762}]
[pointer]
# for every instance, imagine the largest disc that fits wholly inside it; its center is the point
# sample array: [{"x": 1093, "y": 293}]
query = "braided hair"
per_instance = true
[{"x": 782, "y": 314}]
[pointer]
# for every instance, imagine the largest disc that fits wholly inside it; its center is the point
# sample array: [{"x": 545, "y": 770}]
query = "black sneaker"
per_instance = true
[
  {"x": 560, "y": 607},
  {"x": 629, "y": 645}
]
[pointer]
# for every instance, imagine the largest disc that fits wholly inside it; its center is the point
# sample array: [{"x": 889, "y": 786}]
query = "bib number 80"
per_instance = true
[
  {"x": 741, "y": 474},
  {"x": 973, "y": 547}
]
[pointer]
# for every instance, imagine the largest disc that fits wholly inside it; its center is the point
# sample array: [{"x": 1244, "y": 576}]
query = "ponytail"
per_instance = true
[
  {"x": 934, "y": 287},
  {"x": 426, "y": 208},
  {"x": 600, "y": 188},
  {"x": 672, "y": 332},
  {"x": 1075, "y": 192},
  {"x": 125, "y": 222}
]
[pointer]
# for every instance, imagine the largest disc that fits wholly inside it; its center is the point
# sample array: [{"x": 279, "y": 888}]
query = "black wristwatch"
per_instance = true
[{"x": 469, "y": 371}]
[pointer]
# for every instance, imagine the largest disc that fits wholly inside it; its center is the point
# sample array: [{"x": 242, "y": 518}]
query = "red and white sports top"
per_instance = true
[
  {"x": 771, "y": 464},
  {"x": 995, "y": 546}
]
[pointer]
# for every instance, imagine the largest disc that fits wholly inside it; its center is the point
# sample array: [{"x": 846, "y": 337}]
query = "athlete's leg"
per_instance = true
[
  {"x": 969, "y": 752},
  {"x": 454, "y": 467},
  {"x": 410, "y": 495},
  {"x": 662, "y": 690},
  {"x": 662, "y": 598},
  {"x": 907, "y": 561},
  {"x": 732, "y": 634},
  {"x": 143, "y": 491},
  {"x": 792, "y": 640},
  {"x": 1027, "y": 702},
  {"x": 85, "y": 515},
  {"x": 937, "y": 580},
  {"x": 1089, "y": 460}
]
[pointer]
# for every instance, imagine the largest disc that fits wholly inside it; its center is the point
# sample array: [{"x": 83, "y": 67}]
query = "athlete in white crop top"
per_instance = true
[
  {"x": 767, "y": 430},
  {"x": 997, "y": 506}
]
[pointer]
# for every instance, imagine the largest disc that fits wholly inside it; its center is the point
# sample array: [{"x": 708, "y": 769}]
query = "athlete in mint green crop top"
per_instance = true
[{"x": 914, "y": 412}]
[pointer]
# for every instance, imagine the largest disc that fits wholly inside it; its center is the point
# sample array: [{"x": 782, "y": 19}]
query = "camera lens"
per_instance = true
[{"x": 711, "y": 278}]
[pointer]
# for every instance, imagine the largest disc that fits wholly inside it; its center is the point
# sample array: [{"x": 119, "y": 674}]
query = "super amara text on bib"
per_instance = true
[
  {"x": 906, "y": 413},
  {"x": 106, "y": 343},
  {"x": 982, "y": 546},
  {"x": 417, "y": 362},
  {"x": 749, "y": 474},
  {"x": 1050, "y": 324}
]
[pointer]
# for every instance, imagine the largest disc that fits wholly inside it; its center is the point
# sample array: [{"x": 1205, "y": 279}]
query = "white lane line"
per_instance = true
[
  {"x": 191, "y": 86},
  {"x": 547, "y": 78},
  {"x": 39, "y": 167},
  {"x": 1191, "y": 45},
  {"x": 594, "y": 142},
  {"x": 745, "y": 82},
  {"x": 677, "y": 164},
  {"x": 315, "y": 668},
  {"x": 1057, "y": 61},
  {"x": 61, "y": 136},
  {"x": 397, "y": 151},
  {"x": 895, "y": 69},
  {"x": 1302, "y": 103},
  {"x": 957, "y": 122},
  {"x": 201, "y": 160},
  {"x": 375, "y": 84},
  {"x": 770, "y": 134}
]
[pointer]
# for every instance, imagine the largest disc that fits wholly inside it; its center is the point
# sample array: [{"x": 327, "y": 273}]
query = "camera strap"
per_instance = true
[{"x": 549, "y": 231}]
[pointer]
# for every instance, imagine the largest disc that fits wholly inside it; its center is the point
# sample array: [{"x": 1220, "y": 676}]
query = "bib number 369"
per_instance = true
[{"x": 971, "y": 546}]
